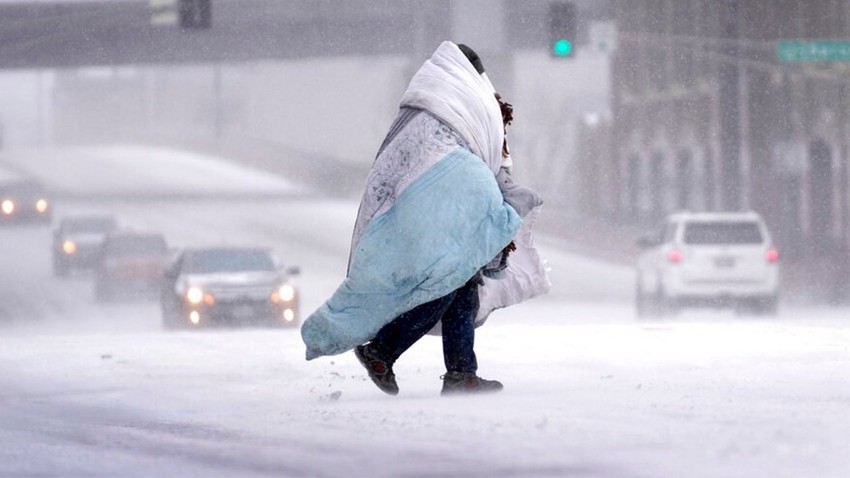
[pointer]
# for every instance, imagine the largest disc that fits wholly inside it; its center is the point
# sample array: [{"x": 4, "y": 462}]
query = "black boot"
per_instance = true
[
  {"x": 379, "y": 369},
  {"x": 468, "y": 382}
]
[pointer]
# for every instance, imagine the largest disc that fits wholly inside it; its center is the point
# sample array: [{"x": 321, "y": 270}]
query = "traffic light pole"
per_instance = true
[
  {"x": 217, "y": 106},
  {"x": 730, "y": 114}
]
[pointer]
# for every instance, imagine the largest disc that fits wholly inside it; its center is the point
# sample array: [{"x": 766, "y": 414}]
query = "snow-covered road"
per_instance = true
[
  {"x": 702, "y": 396},
  {"x": 100, "y": 390}
]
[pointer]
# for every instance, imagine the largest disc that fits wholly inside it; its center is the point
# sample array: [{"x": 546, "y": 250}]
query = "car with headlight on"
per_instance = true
[
  {"x": 77, "y": 241},
  {"x": 130, "y": 263},
  {"x": 228, "y": 286},
  {"x": 24, "y": 199},
  {"x": 708, "y": 259}
]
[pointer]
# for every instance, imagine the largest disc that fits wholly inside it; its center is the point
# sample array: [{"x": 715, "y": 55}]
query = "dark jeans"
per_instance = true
[{"x": 456, "y": 310}]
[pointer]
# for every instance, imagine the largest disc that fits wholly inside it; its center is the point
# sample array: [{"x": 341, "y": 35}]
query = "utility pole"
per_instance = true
[
  {"x": 730, "y": 114},
  {"x": 217, "y": 106},
  {"x": 39, "y": 108}
]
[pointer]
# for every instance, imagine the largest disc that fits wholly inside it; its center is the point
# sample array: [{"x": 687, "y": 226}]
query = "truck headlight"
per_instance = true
[
  {"x": 8, "y": 207},
  {"x": 41, "y": 205},
  {"x": 195, "y": 295},
  {"x": 69, "y": 247},
  {"x": 286, "y": 292}
]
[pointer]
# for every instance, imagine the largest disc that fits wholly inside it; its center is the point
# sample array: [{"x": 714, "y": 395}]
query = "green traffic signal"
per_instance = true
[{"x": 562, "y": 47}]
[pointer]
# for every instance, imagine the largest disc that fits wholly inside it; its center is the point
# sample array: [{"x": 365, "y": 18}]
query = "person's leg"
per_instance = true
[
  {"x": 459, "y": 342},
  {"x": 400, "y": 334},
  {"x": 458, "y": 329},
  {"x": 394, "y": 338}
]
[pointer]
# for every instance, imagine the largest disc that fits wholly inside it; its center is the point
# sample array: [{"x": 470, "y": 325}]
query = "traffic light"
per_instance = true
[
  {"x": 563, "y": 29},
  {"x": 195, "y": 14}
]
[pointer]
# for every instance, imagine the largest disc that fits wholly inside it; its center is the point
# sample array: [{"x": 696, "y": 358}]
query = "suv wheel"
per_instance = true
[
  {"x": 665, "y": 306},
  {"x": 643, "y": 304},
  {"x": 60, "y": 269},
  {"x": 653, "y": 305},
  {"x": 765, "y": 305}
]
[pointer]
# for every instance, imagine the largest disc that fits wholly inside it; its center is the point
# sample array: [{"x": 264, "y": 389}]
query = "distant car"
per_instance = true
[
  {"x": 24, "y": 199},
  {"x": 130, "y": 263},
  {"x": 77, "y": 241},
  {"x": 228, "y": 286},
  {"x": 709, "y": 259}
]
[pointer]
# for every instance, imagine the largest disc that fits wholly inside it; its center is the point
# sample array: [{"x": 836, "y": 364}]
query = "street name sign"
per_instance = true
[{"x": 813, "y": 51}]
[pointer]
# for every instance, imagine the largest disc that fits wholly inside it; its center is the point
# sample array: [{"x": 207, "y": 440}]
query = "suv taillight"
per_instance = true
[
  {"x": 675, "y": 256},
  {"x": 772, "y": 255}
]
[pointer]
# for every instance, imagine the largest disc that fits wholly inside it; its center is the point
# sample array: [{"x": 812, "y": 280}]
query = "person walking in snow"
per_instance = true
[
  {"x": 432, "y": 217},
  {"x": 455, "y": 312}
]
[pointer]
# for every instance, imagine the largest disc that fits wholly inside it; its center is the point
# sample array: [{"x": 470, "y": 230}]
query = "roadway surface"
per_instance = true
[{"x": 90, "y": 389}]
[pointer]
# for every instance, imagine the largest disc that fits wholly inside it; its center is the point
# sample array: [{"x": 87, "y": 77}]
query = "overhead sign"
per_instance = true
[
  {"x": 813, "y": 51},
  {"x": 163, "y": 12}
]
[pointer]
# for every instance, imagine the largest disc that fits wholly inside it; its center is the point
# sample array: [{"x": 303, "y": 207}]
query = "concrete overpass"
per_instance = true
[
  {"x": 70, "y": 34},
  {"x": 73, "y": 33}
]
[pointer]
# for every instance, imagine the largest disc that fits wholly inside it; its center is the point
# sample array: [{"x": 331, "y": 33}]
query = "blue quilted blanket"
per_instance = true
[{"x": 447, "y": 224}]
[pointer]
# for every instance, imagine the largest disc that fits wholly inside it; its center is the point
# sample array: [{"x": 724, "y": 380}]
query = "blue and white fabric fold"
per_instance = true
[
  {"x": 443, "y": 228},
  {"x": 432, "y": 213}
]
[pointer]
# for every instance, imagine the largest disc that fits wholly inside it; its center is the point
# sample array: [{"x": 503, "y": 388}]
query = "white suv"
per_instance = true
[{"x": 716, "y": 259}]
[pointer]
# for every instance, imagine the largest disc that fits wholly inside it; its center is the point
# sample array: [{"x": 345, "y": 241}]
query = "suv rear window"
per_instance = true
[{"x": 717, "y": 232}]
